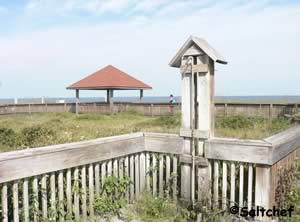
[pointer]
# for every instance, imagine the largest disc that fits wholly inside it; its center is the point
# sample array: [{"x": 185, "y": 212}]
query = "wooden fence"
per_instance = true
[
  {"x": 154, "y": 109},
  {"x": 36, "y": 183}
]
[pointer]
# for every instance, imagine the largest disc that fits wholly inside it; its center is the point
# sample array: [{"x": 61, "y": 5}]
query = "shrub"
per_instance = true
[
  {"x": 36, "y": 135},
  {"x": 8, "y": 137},
  {"x": 112, "y": 198}
]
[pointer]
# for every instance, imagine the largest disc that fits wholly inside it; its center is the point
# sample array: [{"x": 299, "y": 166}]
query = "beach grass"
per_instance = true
[{"x": 41, "y": 129}]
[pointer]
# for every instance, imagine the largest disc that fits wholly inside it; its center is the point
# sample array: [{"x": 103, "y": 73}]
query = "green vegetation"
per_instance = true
[
  {"x": 23, "y": 131},
  {"x": 112, "y": 198},
  {"x": 249, "y": 127},
  {"x": 40, "y": 129},
  {"x": 288, "y": 191}
]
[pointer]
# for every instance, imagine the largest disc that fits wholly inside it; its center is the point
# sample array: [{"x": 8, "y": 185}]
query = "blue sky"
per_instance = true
[{"x": 46, "y": 45}]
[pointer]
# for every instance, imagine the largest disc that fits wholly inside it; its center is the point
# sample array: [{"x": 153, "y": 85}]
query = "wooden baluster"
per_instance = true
[
  {"x": 216, "y": 185},
  {"x": 4, "y": 204},
  {"x": 76, "y": 194},
  {"x": 61, "y": 195},
  {"x": 83, "y": 194},
  {"x": 147, "y": 172},
  {"x": 142, "y": 168},
  {"x": 35, "y": 188},
  {"x": 25, "y": 200},
  {"x": 97, "y": 179},
  {"x": 137, "y": 175},
  {"x": 161, "y": 175},
  {"x": 232, "y": 184},
  {"x": 241, "y": 187},
  {"x": 44, "y": 197},
  {"x": 16, "y": 201},
  {"x": 154, "y": 174},
  {"x": 91, "y": 191},
  {"x": 224, "y": 185},
  {"x": 131, "y": 172},
  {"x": 69, "y": 193},
  {"x": 250, "y": 186},
  {"x": 174, "y": 178},
  {"x": 53, "y": 195}
]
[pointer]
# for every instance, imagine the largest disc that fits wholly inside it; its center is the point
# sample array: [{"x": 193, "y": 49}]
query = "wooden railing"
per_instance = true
[
  {"x": 62, "y": 181},
  {"x": 153, "y": 109}
]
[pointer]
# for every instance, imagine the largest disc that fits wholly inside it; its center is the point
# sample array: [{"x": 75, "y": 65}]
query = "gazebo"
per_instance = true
[{"x": 108, "y": 78}]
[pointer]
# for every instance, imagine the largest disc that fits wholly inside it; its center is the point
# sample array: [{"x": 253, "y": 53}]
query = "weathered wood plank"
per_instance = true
[
  {"x": 224, "y": 185},
  {"x": 250, "y": 185},
  {"x": 115, "y": 168},
  {"x": 136, "y": 175},
  {"x": 168, "y": 172},
  {"x": 97, "y": 179},
  {"x": 52, "y": 194},
  {"x": 83, "y": 194},
  {"x": 69, "y": 192},
  {"x": 25, "y": 200},
  {"x": 142, "y": 168},
  {"x": 216, "y": 185},
  {"x": 175, "y": 175},
  {"x": 91, "y": 192},
  {"x": 22, "y": 164},
  {"x": 44, "y": 197},
  {"x": 15, "y": 201},
  {"x": 76, "y": 194},
  {"x": 210, "y": 178},
  {"x": 103, "y": 173},
  {"x": 61, "y": 195},
  {"x": 284, "y": 143},
  {"x": 4, "y": 204},
  {"x": 163, "y": 143},
  {"x": 232, "y": 184},
  {"x": 252, "y": 151},
  {"x": 126, "y": 172},
  {"x": 154, "y": 174},
  {"x": 241, "y": 186},
  {"x": 131, "y": 174},
  {"x": 109, "y": 168},
  {"x": 161, "y": 175},
  {"x": 35, "y": 189},
  {"x": 148, "y": 172}
]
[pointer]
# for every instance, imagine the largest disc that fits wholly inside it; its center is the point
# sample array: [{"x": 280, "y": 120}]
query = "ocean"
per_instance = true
[{"x": 159, "y": 99}]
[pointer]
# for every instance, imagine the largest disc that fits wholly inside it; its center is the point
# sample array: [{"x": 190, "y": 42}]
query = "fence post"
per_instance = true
[
  {"x": 271, "y": 111},
  {"x": 225, "y": 109},
  {"x": 151, "y": 109},
  {"x": 263, "y": 189}
]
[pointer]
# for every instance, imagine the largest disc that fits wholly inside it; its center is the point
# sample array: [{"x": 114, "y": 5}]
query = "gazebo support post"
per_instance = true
[
  {"x": 77, "y": 102},
  {"x": 107, "y": 96},
  {"x": 141, "y": 95},
  {"x": 110, "y": 100}
]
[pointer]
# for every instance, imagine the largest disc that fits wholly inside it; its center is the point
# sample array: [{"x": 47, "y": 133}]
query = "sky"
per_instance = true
[{"x": 45, "y": 45}]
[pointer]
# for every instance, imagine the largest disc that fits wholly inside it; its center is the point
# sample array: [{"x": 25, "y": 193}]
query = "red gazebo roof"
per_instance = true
[{"x": 109, "y": 78}]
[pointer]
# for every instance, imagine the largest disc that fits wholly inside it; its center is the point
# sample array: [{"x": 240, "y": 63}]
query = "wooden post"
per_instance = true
[
  {"x": 141, "y": 95},
  {"x": 196, "y": 61},
  {"x": 263, "y": 188},
  {"x": 226, "y": 109},
  {"x": 186, "y": 123},
  {"x": 77, "y": 101},
  {"x": 110, "y": 100},
  {"x": 271, "y": 112}
]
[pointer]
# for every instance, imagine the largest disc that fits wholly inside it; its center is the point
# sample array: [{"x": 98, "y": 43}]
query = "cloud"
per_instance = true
[
  {"x": 65, "y": 7},
  {"x": 261, "y": 44}
]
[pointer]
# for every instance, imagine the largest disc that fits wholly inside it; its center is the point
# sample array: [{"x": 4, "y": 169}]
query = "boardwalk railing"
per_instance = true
[
  {"x": 62, "y": 181},
  {"x": 153, "y": 109}
]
